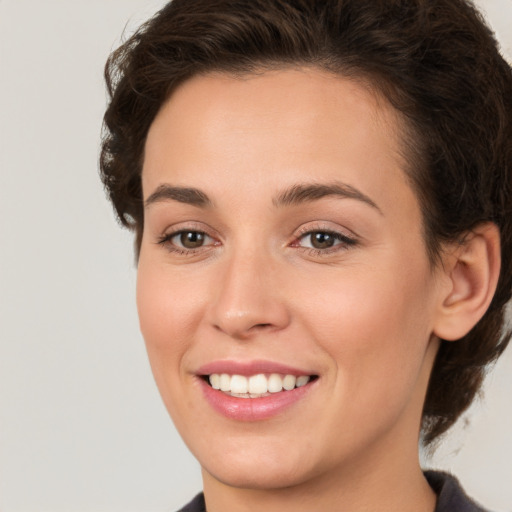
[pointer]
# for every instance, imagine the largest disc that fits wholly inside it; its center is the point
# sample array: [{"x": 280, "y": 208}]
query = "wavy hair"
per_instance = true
[{"x": 435, "y": 61}]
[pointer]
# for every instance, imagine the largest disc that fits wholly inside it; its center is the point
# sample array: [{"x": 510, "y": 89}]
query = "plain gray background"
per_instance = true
[{"x": 81, "y": 423}]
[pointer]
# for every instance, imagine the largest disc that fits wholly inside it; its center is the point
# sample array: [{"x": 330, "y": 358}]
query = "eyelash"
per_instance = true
[
  {"x": 345, "y": 242},
  {"x": 166, "y": 241}
]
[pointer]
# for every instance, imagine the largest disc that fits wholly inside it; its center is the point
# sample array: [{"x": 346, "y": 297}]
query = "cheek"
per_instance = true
[
  {"x": 375, "y": 326},
  {"x": 168, "y": 313},
  {"x": 167, "y": 307}
]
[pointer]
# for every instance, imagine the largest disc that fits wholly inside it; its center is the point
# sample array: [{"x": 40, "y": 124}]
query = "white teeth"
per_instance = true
[
  {"x": 289, "y": 382},
  {"x": 239, "y": 384},
  {"x": 275, "y": 383},
  {"x": 215, "y": 380},
  {"x": 225, "y": 382},
  {"x": 302, "y": 381},
  {"x": 256, "y": 386}
]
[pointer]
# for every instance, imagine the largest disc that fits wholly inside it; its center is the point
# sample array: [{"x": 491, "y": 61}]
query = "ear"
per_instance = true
[{"x": 471, "y": 269}]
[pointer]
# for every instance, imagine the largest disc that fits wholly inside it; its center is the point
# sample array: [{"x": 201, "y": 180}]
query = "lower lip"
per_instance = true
[{"x": 253, "y": 409}]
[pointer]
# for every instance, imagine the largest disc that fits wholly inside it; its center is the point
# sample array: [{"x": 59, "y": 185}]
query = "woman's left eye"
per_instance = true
[{"x": 322, "y": 240}]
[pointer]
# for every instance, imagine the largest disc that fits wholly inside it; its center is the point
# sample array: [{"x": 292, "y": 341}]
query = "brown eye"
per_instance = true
[
  {"x": 322, "y": 240},
  {"x": 325, "y": 241},
  {"x": 187, "y": 241},
  {"x": 191, "y": 239}
]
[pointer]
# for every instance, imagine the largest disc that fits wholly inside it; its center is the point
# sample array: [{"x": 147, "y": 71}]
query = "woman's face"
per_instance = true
[{"x": 282, "y": 242}]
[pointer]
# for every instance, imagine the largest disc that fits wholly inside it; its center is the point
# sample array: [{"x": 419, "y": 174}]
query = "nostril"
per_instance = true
[{"x": 261, "y": 326}]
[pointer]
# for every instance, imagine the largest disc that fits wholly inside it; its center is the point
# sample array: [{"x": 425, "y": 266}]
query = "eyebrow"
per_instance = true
[
  {"x": 307, "y": 192},
  {"x": 187, "y": 195},
  {"x": 295, "y": 195}
]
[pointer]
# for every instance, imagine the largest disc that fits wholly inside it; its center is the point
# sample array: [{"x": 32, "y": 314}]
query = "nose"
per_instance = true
[{"x": 249, "y": 299}]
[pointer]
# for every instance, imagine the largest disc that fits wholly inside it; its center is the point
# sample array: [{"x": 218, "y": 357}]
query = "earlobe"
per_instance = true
[{"x": 471, "y": 269}]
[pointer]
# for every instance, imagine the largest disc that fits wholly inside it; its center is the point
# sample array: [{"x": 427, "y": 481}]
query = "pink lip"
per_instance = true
[
  {"x": 250, "y": 368},
  {"x": 251, "y": 409}
]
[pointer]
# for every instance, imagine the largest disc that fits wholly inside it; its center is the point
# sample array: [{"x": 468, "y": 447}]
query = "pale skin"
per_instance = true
[{"x": 363, "y": 311}]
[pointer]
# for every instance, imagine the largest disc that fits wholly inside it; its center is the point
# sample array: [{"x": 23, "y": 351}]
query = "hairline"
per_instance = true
[{"x": 411, "y": 151}]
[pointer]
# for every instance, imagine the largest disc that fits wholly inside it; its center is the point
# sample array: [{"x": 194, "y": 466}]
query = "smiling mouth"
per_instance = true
[{"x": 256, "y": 386}]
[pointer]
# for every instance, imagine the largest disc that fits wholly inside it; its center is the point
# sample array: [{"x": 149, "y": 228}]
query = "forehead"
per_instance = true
[
  {"x": 279, "y": 127},
  {"x": 292, "y": 97}
]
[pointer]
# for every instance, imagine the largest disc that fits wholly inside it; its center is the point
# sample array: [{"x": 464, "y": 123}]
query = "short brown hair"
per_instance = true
[{"x": 438, "y": 64}]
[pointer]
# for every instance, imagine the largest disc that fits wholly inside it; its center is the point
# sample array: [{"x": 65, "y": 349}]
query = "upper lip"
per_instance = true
[{"x": 248, "y": 368}]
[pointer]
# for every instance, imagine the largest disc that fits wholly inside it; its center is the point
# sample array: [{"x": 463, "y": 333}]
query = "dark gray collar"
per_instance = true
[{"x": 450, "y": 496}]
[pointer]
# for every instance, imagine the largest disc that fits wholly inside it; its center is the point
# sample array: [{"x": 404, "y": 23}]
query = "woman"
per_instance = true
[{"x": 321, "y": 197}]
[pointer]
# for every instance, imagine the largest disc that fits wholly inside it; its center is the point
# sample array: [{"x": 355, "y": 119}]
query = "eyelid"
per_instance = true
[
  {"x": 325, "y": 227},
  {"x": 191, "y": 225},
  {"x": 175, "y": 234},
  {"x": 184, "y": 227},
  {"x": 345, "y": 238}
]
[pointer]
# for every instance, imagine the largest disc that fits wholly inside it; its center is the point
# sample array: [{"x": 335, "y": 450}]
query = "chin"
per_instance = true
[
  {"x": 256, "y": 474},
  {"x": 260, "y": 467}
]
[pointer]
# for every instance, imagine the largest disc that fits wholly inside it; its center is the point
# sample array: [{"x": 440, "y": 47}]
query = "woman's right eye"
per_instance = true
[
  {"x": 190, "y": 239},
  {"x": 186, "y": 240}
]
